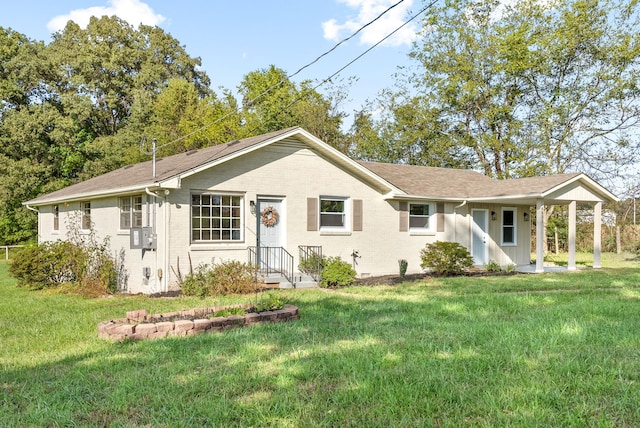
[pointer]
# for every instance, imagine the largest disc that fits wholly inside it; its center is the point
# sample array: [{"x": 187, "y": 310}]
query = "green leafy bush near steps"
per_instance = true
[
  {"x": 337, "y": 273},
  {"x": 446, "y": 258}
]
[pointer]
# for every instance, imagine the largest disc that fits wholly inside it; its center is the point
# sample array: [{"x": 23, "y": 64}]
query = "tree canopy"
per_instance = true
[
  {"x": 81, "y": 105},
  {"x": 518, "y": 89}
]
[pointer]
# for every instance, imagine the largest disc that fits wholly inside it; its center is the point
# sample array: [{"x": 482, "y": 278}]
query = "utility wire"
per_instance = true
[
  {"x": 328, "y": 79},
  {"x": 269, "y": 89}
]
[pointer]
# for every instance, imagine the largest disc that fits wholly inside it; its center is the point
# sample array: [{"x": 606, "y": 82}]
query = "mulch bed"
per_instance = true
[
  {"x": 396, "y": 279},
  {"x": 383, "y": 280}
]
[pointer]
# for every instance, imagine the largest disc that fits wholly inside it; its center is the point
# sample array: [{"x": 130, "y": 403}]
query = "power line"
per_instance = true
[
  {"x": 328, "y": 79},
  {"x": 269, "y": 89}
]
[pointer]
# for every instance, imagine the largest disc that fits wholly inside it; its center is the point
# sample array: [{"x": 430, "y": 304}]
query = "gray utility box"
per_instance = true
[{"x": 142, "y": 238}]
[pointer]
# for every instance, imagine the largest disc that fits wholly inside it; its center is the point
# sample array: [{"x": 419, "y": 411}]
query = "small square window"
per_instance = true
[
  {"x": 420, "y": 217},
  {"x": 333, "y": 213},
  {"x": 130, "y": 212}
]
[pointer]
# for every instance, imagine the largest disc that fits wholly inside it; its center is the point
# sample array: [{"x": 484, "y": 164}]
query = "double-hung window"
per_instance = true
[
  {"x": 421, "y": 217},
  {"x": 509, "y": 226},
  {"x": 216, "y": 218},
  {"x": 130, "y": 212},
  {"x": 333, "y": 213},
  {"x": 85, "y": 215}
]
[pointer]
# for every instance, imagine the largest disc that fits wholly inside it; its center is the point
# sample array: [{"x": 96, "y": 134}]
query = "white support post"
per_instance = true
[
  {"x": 597, "y": 234},
  {"x": 571, "y": 265},
  {"x": 540, "y": 236}
]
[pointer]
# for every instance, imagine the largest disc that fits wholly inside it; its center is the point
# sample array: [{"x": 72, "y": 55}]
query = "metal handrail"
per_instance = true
[
  {"x": 310, "y": 260},
  {"x": 271, "y": 260}
]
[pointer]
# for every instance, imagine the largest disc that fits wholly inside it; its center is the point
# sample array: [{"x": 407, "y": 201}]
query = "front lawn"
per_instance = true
[{"x": 525, "y": 350}]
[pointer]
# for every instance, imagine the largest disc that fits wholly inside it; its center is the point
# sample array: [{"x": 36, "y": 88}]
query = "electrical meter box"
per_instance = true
[{"x": 142, "y": 238}]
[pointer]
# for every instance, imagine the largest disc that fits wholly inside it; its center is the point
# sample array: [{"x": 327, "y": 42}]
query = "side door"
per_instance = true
[{"x": 479, "y": 236}]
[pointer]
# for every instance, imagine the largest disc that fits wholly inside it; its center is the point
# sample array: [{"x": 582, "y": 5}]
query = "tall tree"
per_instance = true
[
  {"x": 100, "y": 68},
  {"x": 271, "y": 101},
  {"x": 77, "y": 107},
  {"x": 530, "y": 87}
]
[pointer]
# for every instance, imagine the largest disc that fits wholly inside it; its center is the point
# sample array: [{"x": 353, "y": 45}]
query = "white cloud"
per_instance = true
[
  {"x": 367, "y": 11},
  {"x": 135, "y": 12}
]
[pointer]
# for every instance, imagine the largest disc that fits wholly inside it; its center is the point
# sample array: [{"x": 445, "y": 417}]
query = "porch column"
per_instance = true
[
  {"x": 571, "y": 265},
  {"x": 540, "y": 236},
  {"x": 597, "y": 234}
]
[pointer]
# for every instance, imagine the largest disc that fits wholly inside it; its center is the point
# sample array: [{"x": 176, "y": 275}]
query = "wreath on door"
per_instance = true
[{"x": 269, "y": 216}]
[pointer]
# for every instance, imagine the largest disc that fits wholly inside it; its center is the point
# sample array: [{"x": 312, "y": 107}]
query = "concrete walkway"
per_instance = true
[{"x": 532, "y": 268}]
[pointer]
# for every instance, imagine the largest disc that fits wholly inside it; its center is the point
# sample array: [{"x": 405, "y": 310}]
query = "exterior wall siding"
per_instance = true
[{"x": 291, "y": 172}]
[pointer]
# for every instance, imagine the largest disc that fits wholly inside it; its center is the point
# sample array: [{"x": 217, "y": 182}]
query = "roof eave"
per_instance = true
[{"x": 93, "y": 195}]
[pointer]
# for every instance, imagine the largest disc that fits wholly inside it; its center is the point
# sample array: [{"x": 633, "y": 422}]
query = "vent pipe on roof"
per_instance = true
[{"x": 153, "y": 150}]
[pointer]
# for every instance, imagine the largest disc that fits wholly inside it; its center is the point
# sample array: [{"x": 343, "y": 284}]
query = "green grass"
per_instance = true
[{"x": 525, "y": 350}]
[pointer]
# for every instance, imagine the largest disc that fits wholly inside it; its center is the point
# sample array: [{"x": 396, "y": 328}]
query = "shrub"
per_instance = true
[
  {"x": 270, "y": 302},
  {"x": 493, "y": 266},
  {"x": 446, "y": 258},
  {"x": 197, "y": 282},
  {"x": 231, "y": 277},
  {"x": 228, "y": 312},
  {"x": 510, "y": 268},
  {"x": 312, "y": 264},
  {"x": 337, "y": 273},
  {"x": 82, "y": 268},
  {"x": 402, "y": 265}
]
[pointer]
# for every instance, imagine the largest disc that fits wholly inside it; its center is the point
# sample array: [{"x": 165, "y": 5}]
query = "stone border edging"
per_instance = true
[{"x": 140, "y": 326}]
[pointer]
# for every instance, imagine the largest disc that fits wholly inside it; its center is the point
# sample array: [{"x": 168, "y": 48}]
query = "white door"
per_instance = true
[
  {"x": 479, "y": 237},
  {"x": 270, "y": 231}
]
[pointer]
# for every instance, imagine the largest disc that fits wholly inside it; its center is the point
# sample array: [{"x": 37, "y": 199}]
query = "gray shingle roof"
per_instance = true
[
  {"x": 457, "y": 183},
  {"x": 430, "y": 181},
  {"x": 417, "y": 181},
  {"x": 140, "y": 175}
]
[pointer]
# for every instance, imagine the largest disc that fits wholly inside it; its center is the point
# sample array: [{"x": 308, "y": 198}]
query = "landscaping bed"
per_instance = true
[{"x": 137, "y": 325}]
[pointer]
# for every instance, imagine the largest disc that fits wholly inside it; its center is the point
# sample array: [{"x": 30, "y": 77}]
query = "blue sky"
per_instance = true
[{"x": 234, "y": 38}]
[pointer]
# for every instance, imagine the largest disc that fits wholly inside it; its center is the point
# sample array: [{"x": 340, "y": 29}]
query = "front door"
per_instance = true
[
  {"x": 479, "y": 238},
  {"x": 270, "y": 231}
]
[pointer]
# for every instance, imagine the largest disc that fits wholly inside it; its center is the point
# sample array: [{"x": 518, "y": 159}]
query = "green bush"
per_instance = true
[
  {"x": 446, "y": 258},
  {"x": 337, "y": 273},
  {"x": 312, "y": 264},
  {"x": 228, "y": 312},
  {"x": 82, "y": 268},
  {"x": 510, "y": 268},
  {"x": 270, "y": 302},
  {"x": 492, "y": 266},
  {"x": 231, "y": 277},
  {"x": 402, "y": 266}
]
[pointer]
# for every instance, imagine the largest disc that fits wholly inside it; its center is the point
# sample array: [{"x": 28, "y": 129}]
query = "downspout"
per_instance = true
[
  {"x": 37, "y": 211},
  {"x": 455, "y": 219},
  {"x": 165, "y": 262}
]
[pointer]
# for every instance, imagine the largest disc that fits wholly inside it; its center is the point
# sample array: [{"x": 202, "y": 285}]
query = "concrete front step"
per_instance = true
[{"x": 301, "y": 281}]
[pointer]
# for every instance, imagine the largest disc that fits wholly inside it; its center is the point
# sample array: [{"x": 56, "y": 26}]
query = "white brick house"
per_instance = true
[{"x": 206, "y": 205}]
